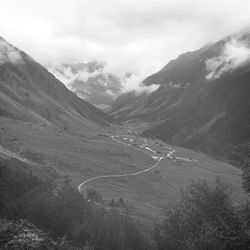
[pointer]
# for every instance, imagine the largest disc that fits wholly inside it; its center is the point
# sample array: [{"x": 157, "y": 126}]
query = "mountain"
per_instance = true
[
  {"x": 28, "y": 92},
  {"x": 203, "y": 100},
  {"x": 90, "y": 81},
  {"x": 125, "y": 102},
  {"x": 53, "y": 144}
]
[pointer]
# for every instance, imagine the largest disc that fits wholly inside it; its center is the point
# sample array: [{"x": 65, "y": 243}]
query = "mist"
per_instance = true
[
  {"x": 235, "y": 54},
  {"x": 8, "y": 53},
  {"x": 125, "y": 82},
  {"x": 126, "y": 35}
]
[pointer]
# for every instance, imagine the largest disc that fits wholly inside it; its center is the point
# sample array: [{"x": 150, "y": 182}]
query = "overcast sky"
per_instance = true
[{"x": 138, "y": 36}]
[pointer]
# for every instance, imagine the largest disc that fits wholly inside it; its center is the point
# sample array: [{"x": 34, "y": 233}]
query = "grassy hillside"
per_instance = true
[{"x": 202, "y": 102}]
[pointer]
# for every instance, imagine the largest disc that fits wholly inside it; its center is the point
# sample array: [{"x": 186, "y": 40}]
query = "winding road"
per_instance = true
[
  {"x": 119, "y": 175},
  {"x": 155, "y": 156}
]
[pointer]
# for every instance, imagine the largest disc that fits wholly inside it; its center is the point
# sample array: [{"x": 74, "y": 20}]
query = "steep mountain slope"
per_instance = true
[
  {"x": 214, "y": 120},
  {"x": 29, "y": 92},
  {"x": 125, "y": 103},
  {"x": 203, "y": 101},
  {"x": 177, "y": 76},
  {"x": 90, "y": 81}
]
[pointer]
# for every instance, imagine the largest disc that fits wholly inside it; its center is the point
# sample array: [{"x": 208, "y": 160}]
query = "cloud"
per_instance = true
[
  {"x": 109, "y": 77},
  {"x": 134, "y": 83},
  {"x": 8, "y": 53},
  {"x": 85, "y": 75},
  {"x": 235, "y": 54},
  {"x": 128, "y": 35},
  {"x": 63, "y": 74}
]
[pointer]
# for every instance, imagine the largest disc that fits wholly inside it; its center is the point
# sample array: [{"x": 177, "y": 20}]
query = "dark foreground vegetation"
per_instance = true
[
  {"x": 241, "y": 156},
  {"x": 66, "y": 215},
  {"x": 204, "y": 219},
  {"x": 35, "y": 215}
]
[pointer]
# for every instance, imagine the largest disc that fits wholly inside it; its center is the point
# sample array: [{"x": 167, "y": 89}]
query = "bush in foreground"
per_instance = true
[
  {"x": 67, "y": 213},
  {"x": 204, "y": 219}
]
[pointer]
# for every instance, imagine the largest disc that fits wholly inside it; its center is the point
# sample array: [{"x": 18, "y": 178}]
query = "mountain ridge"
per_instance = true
[
  {"x": 202, "y": 102},
  {"x": 29, "y": 92}
]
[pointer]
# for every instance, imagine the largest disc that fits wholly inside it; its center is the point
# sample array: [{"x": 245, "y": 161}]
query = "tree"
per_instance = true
[
  {"x": 93, "y": 196},
  {"x": 112, "y": 203},
  {"x": 68, "y": 215},
  {"x": 121, "y": 201},
  {"x": 203, "y": 219},
  {"x": 242, "y": 154}
]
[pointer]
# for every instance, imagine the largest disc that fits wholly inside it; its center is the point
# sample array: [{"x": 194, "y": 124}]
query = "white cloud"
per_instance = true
[
  {"x": 84, "y": 75},
  {"x": 100, "y": 76},
  {"x": 134, "y": 82},
  {"x": 62, "y": 73},
  {"x": 110, "y": 92},
  {"x": 235, "y": 54},
  {"x": 127, "y": 34}
]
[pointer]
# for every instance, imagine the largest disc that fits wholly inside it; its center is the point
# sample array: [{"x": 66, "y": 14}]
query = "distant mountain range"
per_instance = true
[
  {"x": 90, "y": 81},
  {"x": 28, "y": 92},
  {"x": 203, "y": 100}
]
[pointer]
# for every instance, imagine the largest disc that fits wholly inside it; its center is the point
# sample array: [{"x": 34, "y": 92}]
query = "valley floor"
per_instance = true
[{"x": 147, "y": 174}]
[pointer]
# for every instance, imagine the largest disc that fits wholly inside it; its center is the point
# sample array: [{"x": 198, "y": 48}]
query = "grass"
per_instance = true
[{"x": 83, "y": 157}]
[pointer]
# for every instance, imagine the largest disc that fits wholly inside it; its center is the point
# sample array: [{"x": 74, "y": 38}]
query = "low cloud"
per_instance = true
[
  {"x": 235, "y": 54},
  {"x": 133, "y": 78},
  {"x": 84, "y": 75},
  {"x": 9, "y": 53},
  {"x": 125, "y": 34},
  {"x": 134, "y": 83},
  {"x": 109, "y": 77}
]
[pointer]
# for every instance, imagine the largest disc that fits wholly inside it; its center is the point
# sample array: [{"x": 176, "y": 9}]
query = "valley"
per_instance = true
[
  {"x": 137, "y": 157},
  {"x": 147, "y": 193},
  {"x": 147, "y": 174}
]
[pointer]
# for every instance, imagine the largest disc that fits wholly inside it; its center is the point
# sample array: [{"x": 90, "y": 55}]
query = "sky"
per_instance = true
[{"x": 133, "y": 36}]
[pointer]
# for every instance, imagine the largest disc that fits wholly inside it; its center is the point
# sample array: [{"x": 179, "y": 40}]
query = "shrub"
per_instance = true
[
  {"x": 68, "y": 213},
  {"x": 204, "y": 219}
]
